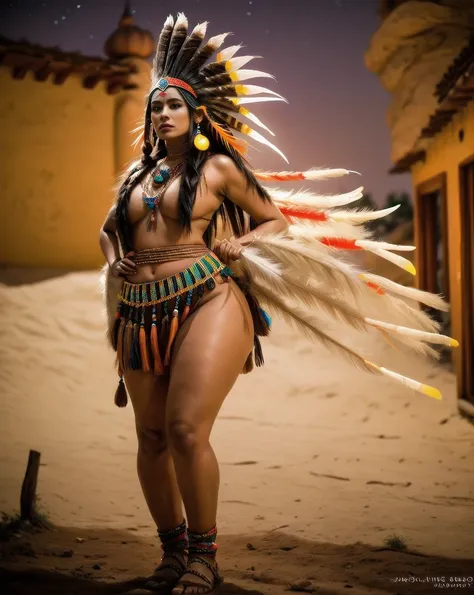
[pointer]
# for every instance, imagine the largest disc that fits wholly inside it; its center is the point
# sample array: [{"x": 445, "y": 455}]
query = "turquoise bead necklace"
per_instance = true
[{"x": 164, "y": 176}]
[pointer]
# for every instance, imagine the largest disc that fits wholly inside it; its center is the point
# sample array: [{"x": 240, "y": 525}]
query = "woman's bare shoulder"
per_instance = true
[
  {"x": 223, "y": 169},
  {"x": 221, "y": 162}
]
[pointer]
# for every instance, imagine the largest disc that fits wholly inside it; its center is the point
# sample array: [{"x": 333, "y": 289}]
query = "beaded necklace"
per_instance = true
[{"x": 164, "y": 176}]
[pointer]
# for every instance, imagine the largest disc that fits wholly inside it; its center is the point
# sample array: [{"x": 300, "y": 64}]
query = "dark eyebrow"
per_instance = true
[{"x": 172, "y": 99}]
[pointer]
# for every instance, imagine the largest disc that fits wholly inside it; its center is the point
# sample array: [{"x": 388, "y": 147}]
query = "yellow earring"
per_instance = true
[{"x": 201, "y": 142}]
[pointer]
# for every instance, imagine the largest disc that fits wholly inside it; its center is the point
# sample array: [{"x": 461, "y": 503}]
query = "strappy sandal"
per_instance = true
[
  {"x": 194, "y": 588},
  {"x": 163, "y": 583}
]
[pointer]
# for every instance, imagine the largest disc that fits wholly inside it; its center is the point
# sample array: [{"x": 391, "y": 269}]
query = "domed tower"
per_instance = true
[
  {"x": 132, "y": 45},
  {"x": 129, "y": 40}
]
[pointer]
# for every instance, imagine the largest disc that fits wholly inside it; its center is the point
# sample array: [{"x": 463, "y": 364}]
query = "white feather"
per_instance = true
[
  {"x": 227, "y": 53},
  {"x": 435, "y": 338},
  {"x": 316, "y": 260},
  {"x": 254, "y": 90},
  {"x": 253, "y": 118},
  {"x": 361, "y": 216},
  {"x": 314, "y": 230},
  {"x": 306, "y": 198},
  {"x": 243, "y": 75},
  {"x": 424, "y": 297},
  {"x": 217, "y": 40},
  {"x": 181, "y": 20},
  {"x": 169, "y": 21},
  {"x": 261, "y": 139},
  {"x": 372, "y": 244},
  {"x": 273, "y": 268},
  {"x": 307, "y": 323},
  {"x": 324, "y": 173},
  {"x": 200, "y": 30},
  {"x": 249, "y": 100},
  {"x": 248, "y": 115},
  {"x": 396, "y": 259},
  {"x": 237, "y": 63}
]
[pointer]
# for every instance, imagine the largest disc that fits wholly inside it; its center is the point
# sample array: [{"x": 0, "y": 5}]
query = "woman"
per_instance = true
[
  {"x": 186, "y": 324},
  {"x": 175, "y": 410}
]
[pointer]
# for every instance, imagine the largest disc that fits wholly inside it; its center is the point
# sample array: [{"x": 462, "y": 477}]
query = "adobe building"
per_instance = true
[
  {"x": 65, "y": 135},
  {"x": 423, "y": 53}
]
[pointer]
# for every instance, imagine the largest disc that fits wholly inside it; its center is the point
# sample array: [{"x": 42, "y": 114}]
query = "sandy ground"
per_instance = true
[{"x": 320, "y": 463}]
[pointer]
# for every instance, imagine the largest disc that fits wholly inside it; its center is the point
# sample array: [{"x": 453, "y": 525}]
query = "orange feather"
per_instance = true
[{"x": 227, "y": 138}]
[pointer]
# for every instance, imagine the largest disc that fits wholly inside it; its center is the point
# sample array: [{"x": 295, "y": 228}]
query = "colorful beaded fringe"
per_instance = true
[{"x": 144, "y": 342}]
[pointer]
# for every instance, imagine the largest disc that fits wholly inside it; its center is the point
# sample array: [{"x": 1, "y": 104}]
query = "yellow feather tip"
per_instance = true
[
  {"x": 431, "y": 391},
  {"x": 241, "y": 90},
  {"x": 372, "y": 365},
  {"x": 454, "y": 343},
  {"x": 410, "y": 267}
]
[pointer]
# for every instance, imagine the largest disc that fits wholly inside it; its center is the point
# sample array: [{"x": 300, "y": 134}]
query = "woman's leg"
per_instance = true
[
  {"x": 154, "y": 462},
  {"x": 209, "y": 355}
]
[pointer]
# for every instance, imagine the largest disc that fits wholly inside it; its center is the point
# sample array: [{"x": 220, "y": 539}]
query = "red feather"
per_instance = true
[
  {"x": 340, "y": 243},
  {"x": 300, "y": 213},
  {"x": 375, "y": 287}
]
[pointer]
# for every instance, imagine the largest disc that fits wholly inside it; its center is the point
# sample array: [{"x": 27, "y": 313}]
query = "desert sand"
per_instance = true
[{"x": 320, "y": 462}]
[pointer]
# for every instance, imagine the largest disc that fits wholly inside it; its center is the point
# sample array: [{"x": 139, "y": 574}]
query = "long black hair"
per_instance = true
[{"x": 191, "y": 174}]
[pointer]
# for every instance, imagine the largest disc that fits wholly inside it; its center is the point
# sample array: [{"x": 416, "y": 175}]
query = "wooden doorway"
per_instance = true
[
  {"x": 431, "y": 229},
  {"x": 467, "y": 280}
]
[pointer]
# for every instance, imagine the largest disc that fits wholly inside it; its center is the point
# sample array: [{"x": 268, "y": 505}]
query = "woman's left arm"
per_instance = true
[{"x": 264, "y": 212}]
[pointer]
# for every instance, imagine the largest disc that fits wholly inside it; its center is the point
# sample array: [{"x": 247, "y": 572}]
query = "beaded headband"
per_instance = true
[{"x": 168, "y": 81}]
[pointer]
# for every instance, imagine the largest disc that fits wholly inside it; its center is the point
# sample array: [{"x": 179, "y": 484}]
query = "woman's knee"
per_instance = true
[
  {"x": 184, "y": 437},
  {"x": 151, "y": 441}
]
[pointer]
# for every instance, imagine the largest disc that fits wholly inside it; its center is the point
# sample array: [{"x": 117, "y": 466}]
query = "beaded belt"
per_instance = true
[
  {"x": 169, "y": 253},
  {"x": 155, "y": 292}
]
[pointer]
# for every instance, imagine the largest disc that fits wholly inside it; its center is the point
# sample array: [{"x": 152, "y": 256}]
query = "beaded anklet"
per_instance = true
[
  {"x": 174, "y": 539},
  {"x": 203, "y": 543}
]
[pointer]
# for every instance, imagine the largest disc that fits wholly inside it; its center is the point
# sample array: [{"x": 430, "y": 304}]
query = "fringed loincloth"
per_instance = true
[{"x": 149, "y": 314}]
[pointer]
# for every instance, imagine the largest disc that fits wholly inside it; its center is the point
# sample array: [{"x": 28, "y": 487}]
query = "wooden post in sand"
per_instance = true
[{"x": 28, "y": 489}]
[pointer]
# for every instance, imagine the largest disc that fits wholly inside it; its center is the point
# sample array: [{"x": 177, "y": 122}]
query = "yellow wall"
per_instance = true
[
  {"x": 444, "y": 154},
  {"x": 57, "y": 171},
  {"x": 129, "y": 113}
]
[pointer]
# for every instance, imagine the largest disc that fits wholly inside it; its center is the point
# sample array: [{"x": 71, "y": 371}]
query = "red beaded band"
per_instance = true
[{"x": 164, "y": 82}]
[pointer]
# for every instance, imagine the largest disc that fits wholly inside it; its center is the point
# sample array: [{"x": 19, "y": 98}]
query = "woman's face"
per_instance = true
[{"x": 170, "y": 114}]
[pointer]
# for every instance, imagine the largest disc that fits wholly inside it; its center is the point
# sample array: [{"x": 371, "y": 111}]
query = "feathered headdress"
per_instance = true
[{"x": 216, "y": 87}]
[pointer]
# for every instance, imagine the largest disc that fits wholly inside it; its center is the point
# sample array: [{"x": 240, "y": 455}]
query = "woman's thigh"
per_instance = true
[
  {"x": 148, "y": 396},
  {"x": 209, "y": 354}
]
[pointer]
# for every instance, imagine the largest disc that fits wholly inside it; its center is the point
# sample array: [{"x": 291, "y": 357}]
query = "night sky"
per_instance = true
[{"x": 314, "y": 48}]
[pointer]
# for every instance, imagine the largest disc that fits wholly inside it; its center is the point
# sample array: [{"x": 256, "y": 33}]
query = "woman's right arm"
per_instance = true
[
  {"x": 108, "y": 238},
  {"x": 120, "y": 267}
]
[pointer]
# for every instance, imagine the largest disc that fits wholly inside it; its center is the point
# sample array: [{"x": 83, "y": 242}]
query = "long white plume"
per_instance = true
[{"x": 309, "y": 199}]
